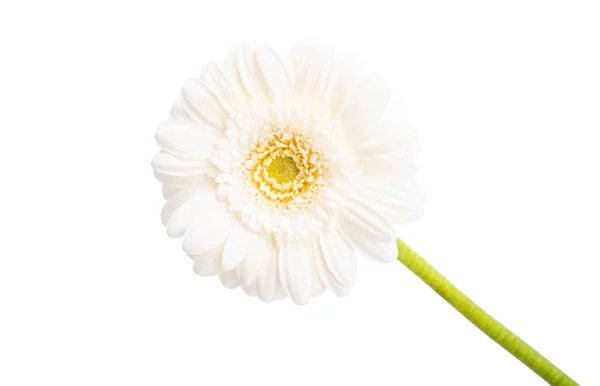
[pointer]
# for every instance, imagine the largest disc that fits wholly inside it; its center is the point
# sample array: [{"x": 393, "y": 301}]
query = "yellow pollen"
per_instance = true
[{"x": 283, "y": 169}]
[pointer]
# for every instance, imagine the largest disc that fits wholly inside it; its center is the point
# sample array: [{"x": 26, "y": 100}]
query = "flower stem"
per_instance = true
[{"x": 481, "y": 319}]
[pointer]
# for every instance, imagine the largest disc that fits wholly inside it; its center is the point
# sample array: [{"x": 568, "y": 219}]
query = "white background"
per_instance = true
[{"x": 93, "y": 292}]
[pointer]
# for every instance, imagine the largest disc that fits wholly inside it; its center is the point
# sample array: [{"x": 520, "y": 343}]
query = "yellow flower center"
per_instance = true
[{"x": 284, "y": 168}]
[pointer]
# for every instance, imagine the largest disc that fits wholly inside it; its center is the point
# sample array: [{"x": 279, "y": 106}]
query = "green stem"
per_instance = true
[{"x": 481, "y": 319}]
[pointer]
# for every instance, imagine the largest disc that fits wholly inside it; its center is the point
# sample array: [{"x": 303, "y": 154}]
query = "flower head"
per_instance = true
[{"x": 276, "y": 174}]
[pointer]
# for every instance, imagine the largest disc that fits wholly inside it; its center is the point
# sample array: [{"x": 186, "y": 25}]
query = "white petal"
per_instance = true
[
  {"x": 185, "y": 141},
  {"x": 184, "y": 215},
  {"x": 277, "y": 82},
  {"x": 339, "y": 257},
  {"x": 175, "y": 202},
  {"x": 184, "y": 182},
  {"x": 209, "y": 230},
  {"x": 388, "y": 168},
  {"x": 229, "y": 279},
  {"x": 242, "y": 71},
  {"x": 236, "y": 247},
  {"x": 209, "y": 70},
  {"x": 230, "y": 101},
  {"x": 178, "y": 113},
  {"x": 208, "y": 263},
  {"x": 234, "y": 79},
  {"x": 318, "y": 286},
  {"x": 299, "y": 226},
  {"x": 399, "y": 202},
  {"x": 296, "y": 271},
  {"x": 312, "y": 72},
  {"x": 249, "y": 268},
  {"x": 268, "y": 283},
  {"x": 362, "y": 110},
  {"x": 387, "y": 152},
  {"x": 366, "y": 221},
  {"x": 280, "y": 294},
  {"x": 200, "y": 103},
  {"x": 297, "y": 61},
  {"x": 248, "y": 290},
  {"x": 216, "y": 81},
  {"x": 342, "y": 86},
  {"x": 376, "y": 250},
  {"x": 166, "y": 163},
  {"x": 169, "y": 190},
  {"x": 389, "y": 138},
  {"x": 325, "y": 274}
]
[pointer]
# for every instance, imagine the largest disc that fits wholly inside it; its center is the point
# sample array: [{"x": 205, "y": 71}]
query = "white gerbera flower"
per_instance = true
[{"x": 276, "y": 175}]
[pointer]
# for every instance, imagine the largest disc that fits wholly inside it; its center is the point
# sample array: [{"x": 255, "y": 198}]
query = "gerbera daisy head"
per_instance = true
[{"x": 277, "y": 174}]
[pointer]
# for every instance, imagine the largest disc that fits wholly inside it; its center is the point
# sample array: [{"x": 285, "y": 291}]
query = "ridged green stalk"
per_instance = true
[{"x": 481, "y": 319}]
